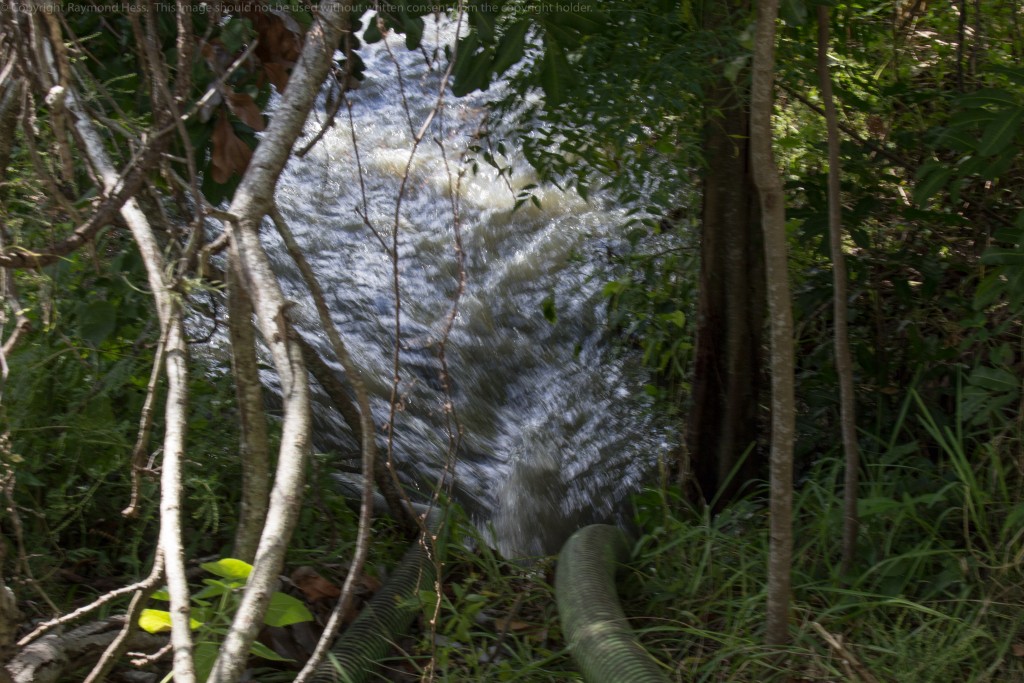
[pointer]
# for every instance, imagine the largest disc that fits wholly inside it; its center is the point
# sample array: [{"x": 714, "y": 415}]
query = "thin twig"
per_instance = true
[
  {"x": 364, "y": 210},
  {"x": 844, "y": 653},
  {"x": 138, "y": 459},
  {"x": 117, "y": 647},
  {"x": 369, "y": 448}
]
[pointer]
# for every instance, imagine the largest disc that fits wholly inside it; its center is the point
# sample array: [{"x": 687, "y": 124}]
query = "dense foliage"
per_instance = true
[{"x": 614, "y": 103}]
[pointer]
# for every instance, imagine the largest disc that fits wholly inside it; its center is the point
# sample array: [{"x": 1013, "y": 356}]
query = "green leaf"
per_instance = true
[
  {"x": 483, "y": 20},
  {"x": 960, "y": 138},
  {"x": 472, "y": 66},
  {"x": 676, "y": 318},
  {"x": 555, "y": 73},
  {"x": 229, "y": 568},
  {"x": 215, "y": 588},
  {"x": 1001, "y": 256},
  {"x": 155, "y": 620},
  {"x": 413, "y": 27},
  {"x": 205, "y": 656},
  {"x": 159, "y": 621},
  {"x": 932, "y": 177},
  {"x": 261, "y": 650},
  {"x": 372, "y": 33},
  {"x": 1001, "y": 132},
  {"x": 511, "y": 47},
  {"x": 994, "y": 379},
  {"x": 980, "y": 98},
  {"x": 614, "y": 287},
  {"x": 285, "y": 610},
  {"x": 97, "y": 321},
  {"x": 235, "y": 33}
]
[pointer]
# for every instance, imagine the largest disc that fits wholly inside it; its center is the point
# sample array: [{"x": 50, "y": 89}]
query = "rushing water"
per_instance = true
[{"x": 551, "y": 434}]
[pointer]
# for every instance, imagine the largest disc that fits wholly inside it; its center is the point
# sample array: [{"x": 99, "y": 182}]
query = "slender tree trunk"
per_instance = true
[
  {"x": 176, "y": 361},
  {"x": 844, "y": 361},
  {"x": 769, "y": 187},
  {"x": 252, "y": 201},
  {"x": 723, "y": 419},
  {"x": 254, "y": 447}
]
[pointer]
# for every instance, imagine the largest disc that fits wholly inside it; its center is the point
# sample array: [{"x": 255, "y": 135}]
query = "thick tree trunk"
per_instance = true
[{"x": 730, "y": 315}]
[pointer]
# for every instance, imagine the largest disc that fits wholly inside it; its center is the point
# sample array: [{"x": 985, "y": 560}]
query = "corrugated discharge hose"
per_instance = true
[
  {"x": 367, "y": 640},
  {"x": 593, "y": 622}
]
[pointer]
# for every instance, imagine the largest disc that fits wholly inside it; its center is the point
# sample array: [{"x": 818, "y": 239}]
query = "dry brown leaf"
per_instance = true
[
  {"x": 229, "y": 154},
  {"x": 314, "y": 586},
  {"x": 508, "y": 624},
  {"x": 279, "y": 44},
  {"x": 280, "y": 37},
  {"x": 244, "y": 107},
  {"x": 277, "y": 74}
]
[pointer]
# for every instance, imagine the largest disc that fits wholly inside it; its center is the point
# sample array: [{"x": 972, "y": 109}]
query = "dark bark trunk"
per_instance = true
[{"x": 730, "y": 316}]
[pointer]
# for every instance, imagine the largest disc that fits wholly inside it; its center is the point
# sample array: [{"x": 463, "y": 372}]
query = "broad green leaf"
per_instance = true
[
  {"x": 588, "y": 21},
  {"x": 205, "y": 656},
  {"x": 483, "y": 20},
  {"x": 1001, "y": 256},
  {"x": 413, "y": 27},
  {"x": 159, "y": 621},
  {"x": 161, "y": 594},
  {"x": 372, "y": 33},
  {"x": 994, "y": 379},
  {"x": 215, "y": 588},
  {"x": 472, "y": 66},
  {"x": 236, "y": 33},
  {"x": 285, "y": 610},
  {"x": 261, "y": 650},
  {"x": 996, "y": 96},
  {"x": 511, "y": 47},
  {"x": 229, "y": 568},
  {"x": 960, "y": 138},
  {"x": 614, "y": 287},
  {"x": 989, "y": 289},
  {"x": 555, "y": 73},
  {"x": 676, "y": 318},
  {"x": 972, "y": 117},
  {"x": 932, "y": 177},
  {"x": 1001, "y": 132}
]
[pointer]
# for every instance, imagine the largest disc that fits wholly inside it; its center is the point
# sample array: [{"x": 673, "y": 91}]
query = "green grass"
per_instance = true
[{"x": 936, "y": 593}]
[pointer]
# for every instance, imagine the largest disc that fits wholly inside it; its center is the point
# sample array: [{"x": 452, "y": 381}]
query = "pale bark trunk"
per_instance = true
[
  {"x": 176, "y": 354},
  {"x": 252, "y": 200},
  {"x": 773, "y": 216}
]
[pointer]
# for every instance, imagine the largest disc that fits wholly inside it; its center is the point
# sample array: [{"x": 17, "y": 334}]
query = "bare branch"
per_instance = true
[
  {"x": 121, "y": 643},
  {"x": 251, "y": 202},
  {"x": 169, "y": 313},
  {"x": 140, "y": 451}
]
